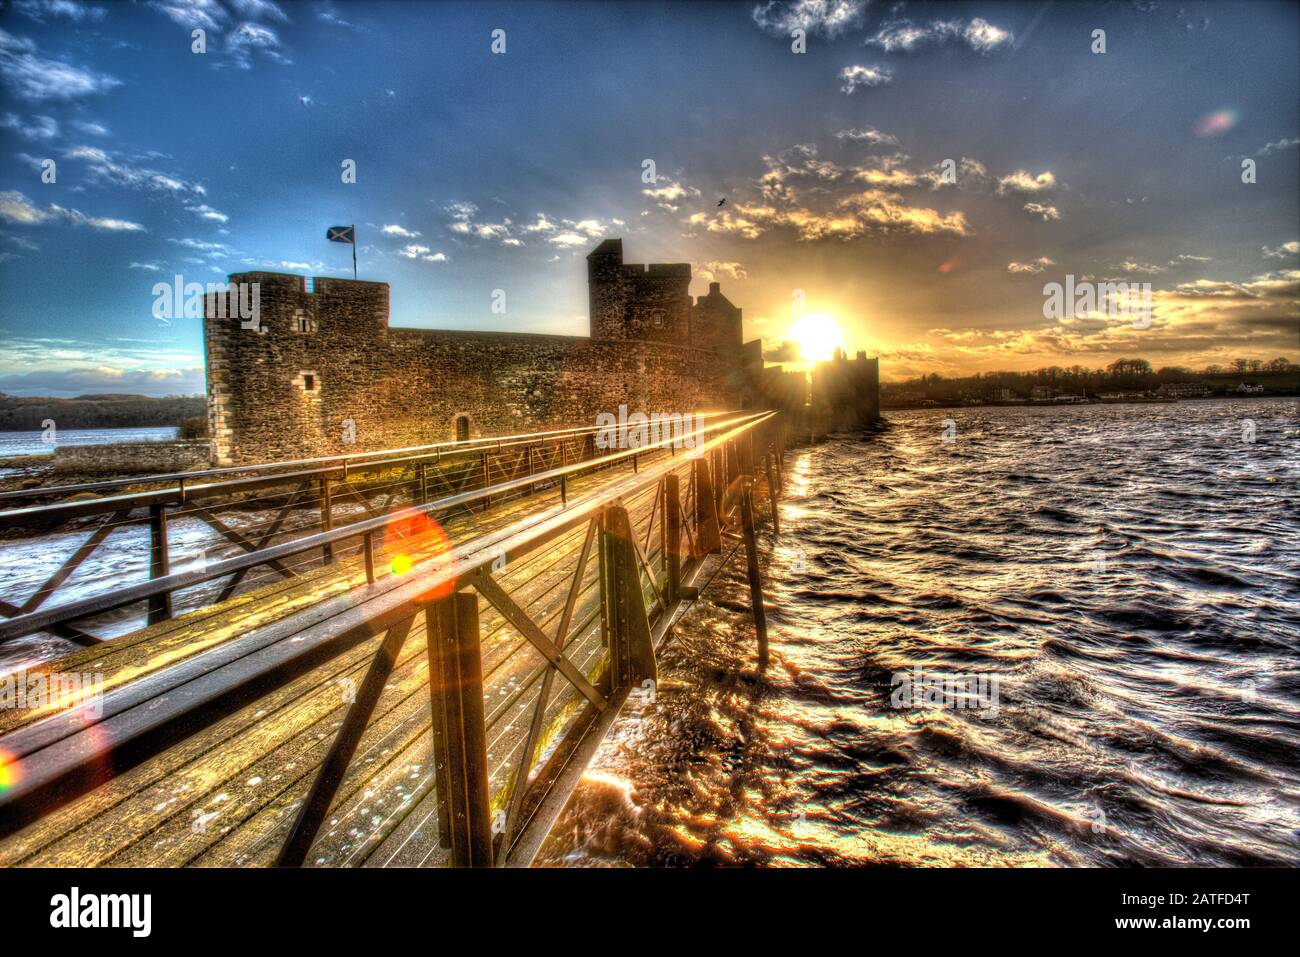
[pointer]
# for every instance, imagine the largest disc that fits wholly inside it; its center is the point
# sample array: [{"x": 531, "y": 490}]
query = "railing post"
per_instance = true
[
  {"x": 459, "y": 733},
  {"x": 370, "y": 557},
  {"x": 160, "y": 606},
  {"x": 708, "y": 534},
  {"x": 424, "y": 482},
  {"x": 751, "y": 562},
  {"x": 772, "y": 495},
  {"x": 622, "y": 604},
  {"x": 672, "y": 537},
  {"x": 326, "y": 518},
  {"x": 487, "y": 480}
]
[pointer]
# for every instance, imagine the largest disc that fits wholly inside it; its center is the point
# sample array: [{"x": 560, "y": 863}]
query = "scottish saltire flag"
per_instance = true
[{"x": 342, "y": 234}]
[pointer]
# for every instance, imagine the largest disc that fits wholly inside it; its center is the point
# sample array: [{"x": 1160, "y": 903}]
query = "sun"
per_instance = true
[{"x": 818, "y": 336}]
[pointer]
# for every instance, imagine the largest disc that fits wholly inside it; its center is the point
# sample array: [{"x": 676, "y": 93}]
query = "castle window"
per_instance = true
[
  {"x": 309, "y": 382},
  {"x": 304, "y": 324},
  {"x": 462, "y": 428}
]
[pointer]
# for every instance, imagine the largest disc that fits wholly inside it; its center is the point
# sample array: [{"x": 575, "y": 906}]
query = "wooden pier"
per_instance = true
[{"x": 295, "y": 721}]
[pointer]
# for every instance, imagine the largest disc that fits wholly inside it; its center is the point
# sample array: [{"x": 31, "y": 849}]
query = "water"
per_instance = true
[
  {"x": 32, "y": 443},
  {"x": 1127, "y": 573}
]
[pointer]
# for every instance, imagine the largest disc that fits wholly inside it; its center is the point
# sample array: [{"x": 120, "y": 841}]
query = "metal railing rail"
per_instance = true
[
  {"x": 319, "y": 489},
  {"x": 64, "y": 614},
  {"x": 331, "y": 464}
]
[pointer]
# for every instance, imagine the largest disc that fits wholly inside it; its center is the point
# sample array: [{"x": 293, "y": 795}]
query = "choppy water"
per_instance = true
[
  {"x": 1129, "y": 574},
  {"x": 37, "y": 443}
]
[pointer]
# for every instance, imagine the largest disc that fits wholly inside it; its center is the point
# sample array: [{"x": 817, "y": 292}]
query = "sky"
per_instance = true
[{"x": 906, "y": 185}]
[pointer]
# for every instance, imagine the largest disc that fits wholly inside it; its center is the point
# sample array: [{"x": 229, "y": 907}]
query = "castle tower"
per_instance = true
[
  {"x": 715, "y": 322},
  {"x": 632, "y": 301},
  {"x": 271, "y": 377}
]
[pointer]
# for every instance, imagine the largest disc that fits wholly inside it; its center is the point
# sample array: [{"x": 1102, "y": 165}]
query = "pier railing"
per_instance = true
[
  {"x": 246, "y": 509},
  {"x": 537, "y": 633}
]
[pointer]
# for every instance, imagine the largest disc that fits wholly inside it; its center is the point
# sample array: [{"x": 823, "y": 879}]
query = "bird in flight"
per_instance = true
[{"x": 721, "y": 201}]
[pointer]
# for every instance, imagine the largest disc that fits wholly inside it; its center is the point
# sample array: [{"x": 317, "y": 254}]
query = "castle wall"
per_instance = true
[{"x": 323, "y": 358}]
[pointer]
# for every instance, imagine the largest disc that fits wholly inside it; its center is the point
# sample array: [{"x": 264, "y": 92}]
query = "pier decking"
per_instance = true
[{"x": 296, "y": 723}]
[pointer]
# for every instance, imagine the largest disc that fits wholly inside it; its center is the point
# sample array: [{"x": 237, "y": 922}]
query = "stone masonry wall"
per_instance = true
[{"x": 320, "y": 359}]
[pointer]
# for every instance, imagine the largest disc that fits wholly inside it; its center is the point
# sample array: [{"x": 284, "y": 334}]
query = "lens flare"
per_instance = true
[
  {"x": 818, "y": 337},
  {"x": 419, "y": 545},
  {"x": 11, "y": 771},
  {"x": 1215, "y": 124}
]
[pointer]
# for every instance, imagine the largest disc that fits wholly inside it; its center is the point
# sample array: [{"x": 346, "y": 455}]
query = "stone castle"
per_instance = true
[{"x": 323, "y": 373}]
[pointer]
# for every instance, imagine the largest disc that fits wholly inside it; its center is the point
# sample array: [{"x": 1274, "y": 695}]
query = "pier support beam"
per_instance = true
[
  {"x": 751, "y": 562},
  {"x": 622, "y": 604},
  {"x": 459, "y": 734},
  {"x": 160, "y": 606},
  {"x": 708, "y": 535}
]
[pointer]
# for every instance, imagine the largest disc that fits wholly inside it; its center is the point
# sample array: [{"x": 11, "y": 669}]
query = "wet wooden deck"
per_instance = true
[{"x": 225, "y": 793}]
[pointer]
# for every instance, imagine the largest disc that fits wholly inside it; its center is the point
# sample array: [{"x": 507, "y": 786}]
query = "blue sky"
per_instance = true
[{"x": 479, "y": 171}]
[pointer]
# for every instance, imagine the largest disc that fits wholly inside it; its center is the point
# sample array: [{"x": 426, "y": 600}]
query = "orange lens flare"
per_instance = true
[
  {"x": 420, "y": 540},
  {"x": 11, "y": 771}
]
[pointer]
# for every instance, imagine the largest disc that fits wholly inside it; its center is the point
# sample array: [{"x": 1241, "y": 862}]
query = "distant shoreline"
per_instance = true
[{"x": 1051, "y": 404}]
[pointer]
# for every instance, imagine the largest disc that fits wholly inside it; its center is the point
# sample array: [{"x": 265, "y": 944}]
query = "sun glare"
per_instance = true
[{"x": 818, "y": 337}]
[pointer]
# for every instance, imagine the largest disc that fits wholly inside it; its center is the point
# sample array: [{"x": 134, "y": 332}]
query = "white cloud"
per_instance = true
[
  {"x": 1023, "y": 182},
  {"x": 204, "y": 211},
  {"x": 859, "y": 76},
  {"x": 392, "y": 229},
  {"x": 710, "y": 270},
  {"x": 1149, "y": 269},
  {"x": 40, "y": 10},
  {"x": 1047, "y": 213},
  {"x": 904, "y": 36},
  {"x": 91, "y": 129},
  {"x": 869, "y": 135},
  {"x": 17, "y": 208},
  {"x": 104, "y": 167},
  {"x": 1282, "y": 252},
  {"x": 148, "y": 267},
  {"x": 827, "y": 17},
  {"x": 36, "y": 128},
  {"x": 1033, "y": 266},
  {"x": 30, "y": 76},
  {"x": 413, "y": 250}
]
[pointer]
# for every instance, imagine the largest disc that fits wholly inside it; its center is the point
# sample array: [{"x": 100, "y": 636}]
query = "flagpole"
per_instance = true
[{"x": 354, "y": 252}]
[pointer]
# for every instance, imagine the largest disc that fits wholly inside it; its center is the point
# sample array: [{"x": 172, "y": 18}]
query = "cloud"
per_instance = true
[
  {"x": 787, "y": 351},
  {"x": 869, "y": 135},
  {"x": 204, "y": 211},
  {"x": 260, "y": 10},
  {"x": 40, "y": 10},
  {"x": 565, "y": 233},
  {"x": 904, "y": 36},
  {"x": 1188, "y": 258},
  {"x": 863, "y": 76},
  {"x": 413, "y": 250},
  {"x": 1034, "y": 266},
  {"x": 36, "y": 128},
  {"x": 392, "y": 229},
  {"x": 89, "y": 379},
  {"x": 1047, "y": 213},
  {"x": 147, "y": 267},
  {"x": 249, "y": 38},
  {"x": 91, "y": 129},
  {"x": 104, "y": 168},
  {"x": 1147, "y": 269},
  {"x": 710, "y": 270},
  {"x": 17, "y": 208},
  {"x": 666, "y": 197},
  {"x": 826, "y": 17},
  {"x": 207, "y": 14},
  {"x": 1278, "y": 145},
  {"x": 30, "y": 76},
  {"x": 1023, "y": 182},
  {"x": 1286, "y": 250}
]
